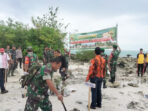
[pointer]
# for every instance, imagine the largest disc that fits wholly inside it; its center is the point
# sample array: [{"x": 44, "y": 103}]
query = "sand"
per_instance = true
[{"x": 122, "y": 98}]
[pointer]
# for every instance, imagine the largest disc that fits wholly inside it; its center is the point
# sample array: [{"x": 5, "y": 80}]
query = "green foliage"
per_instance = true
[
  {"x": 46, "y": 31},
  {"x": 84, "y": 56}
]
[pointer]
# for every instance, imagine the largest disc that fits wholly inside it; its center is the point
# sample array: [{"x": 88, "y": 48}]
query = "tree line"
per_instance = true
[{"x": 46, "y": 31}]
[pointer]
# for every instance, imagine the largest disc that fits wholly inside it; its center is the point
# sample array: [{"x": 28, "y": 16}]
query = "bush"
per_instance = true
[{"x": 84, "y": 56}]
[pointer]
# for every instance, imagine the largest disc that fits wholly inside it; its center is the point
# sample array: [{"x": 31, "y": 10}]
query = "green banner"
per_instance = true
[{"x": 102, "y": 38}]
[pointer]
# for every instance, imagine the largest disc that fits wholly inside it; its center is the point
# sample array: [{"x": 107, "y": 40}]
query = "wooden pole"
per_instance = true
[{"x": 89, "y": 94}]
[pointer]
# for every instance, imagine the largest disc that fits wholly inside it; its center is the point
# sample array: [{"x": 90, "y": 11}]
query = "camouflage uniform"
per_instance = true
[
  {"x": 48, "y": 56},
  {"x": 113, "y": 64},
  {"x": 104, "y": 76},
  {"x": 13, "y": 65},
  {"x": 38, "y": 91},
  {"x": 33, "y": 59}
]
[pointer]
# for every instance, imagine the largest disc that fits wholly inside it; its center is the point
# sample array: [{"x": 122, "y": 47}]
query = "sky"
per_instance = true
[{"x": 89, "y": 15}]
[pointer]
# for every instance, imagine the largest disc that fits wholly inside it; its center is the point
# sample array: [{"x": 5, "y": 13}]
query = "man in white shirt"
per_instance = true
[{"x": 4, "y": 58}]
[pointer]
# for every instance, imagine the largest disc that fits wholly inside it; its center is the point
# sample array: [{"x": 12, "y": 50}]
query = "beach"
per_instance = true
[{"x": 127, "y": 94}]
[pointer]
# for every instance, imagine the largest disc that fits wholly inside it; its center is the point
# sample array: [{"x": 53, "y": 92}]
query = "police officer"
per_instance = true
[
  {"x": 38, "y": 88},
  {"x": 112, "y": 62}
]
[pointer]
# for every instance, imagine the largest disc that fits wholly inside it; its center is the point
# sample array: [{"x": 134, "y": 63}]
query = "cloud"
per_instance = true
[{"x": 87, "y": 15}]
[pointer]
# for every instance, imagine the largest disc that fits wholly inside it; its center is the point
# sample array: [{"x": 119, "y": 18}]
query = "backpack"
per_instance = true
[{"x": 25, "y": 80}]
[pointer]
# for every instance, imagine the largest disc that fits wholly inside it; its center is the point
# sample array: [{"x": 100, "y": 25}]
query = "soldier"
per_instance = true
[
  {"x": 8, "y": 50},
  {"x": 105, "y": 74},
  {"x": 30, "y": 60},
  {"x": 47, "y": 55},
  {"x": 13, "y": 64},
  {"x": 67, "y": 55},
  {"x": 112, "y": 62},
  {"x": 38, "y": 88}
]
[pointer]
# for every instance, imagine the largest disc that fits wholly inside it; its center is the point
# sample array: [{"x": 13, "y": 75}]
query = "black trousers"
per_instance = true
[
  {"x": 63, "y": 73},
  {"x": 140, "y": 69},
  {"x": 96, "y": 92},
  {"x": 145, "y": 67},
  {"x": 20, "y": 62},
  {"x": 2, "y": 79}
]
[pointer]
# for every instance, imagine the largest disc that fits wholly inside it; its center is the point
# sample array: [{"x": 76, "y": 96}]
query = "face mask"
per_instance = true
[{"x": 30, "y": 53}]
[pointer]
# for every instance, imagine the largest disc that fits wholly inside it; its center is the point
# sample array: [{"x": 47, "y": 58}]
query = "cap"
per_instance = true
[
  {"x": 115, "y": 46},
  {"x": 102, "y": 49},
  {"x": 2, "y": 50}
]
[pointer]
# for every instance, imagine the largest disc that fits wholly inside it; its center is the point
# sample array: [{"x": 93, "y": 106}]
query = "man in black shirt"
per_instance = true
[{"x": 64, "y": 65}]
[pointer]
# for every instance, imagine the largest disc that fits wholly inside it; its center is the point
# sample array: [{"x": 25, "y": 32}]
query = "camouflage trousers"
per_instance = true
[
  {"x": 113, "y": 72},
  {"x": 105, "y": 77},
  {"x": 32, "y": 104}
]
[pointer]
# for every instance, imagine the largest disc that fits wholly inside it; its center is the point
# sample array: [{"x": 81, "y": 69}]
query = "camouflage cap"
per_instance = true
[
  {"x": 115, "y": 46},
  {"x": 102, "y": 49}
]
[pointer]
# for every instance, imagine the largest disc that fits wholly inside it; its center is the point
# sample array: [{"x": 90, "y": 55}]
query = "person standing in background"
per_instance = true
[
  {"x": 140, "y": 62},
  {"x": 13, "y": 65},
  {"x": 112, "y": 62},
  {"x": 30, "y": 59},
  {"x": 7, "y": 50},
  {"x": 46, "y": 55},
  {"x": 145, "y": 62},
  {"x": 4, "y": 59},
  {"x": 19, "y": 56}
]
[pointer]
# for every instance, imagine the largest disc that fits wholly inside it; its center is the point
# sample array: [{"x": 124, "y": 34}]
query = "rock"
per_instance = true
[
  {"x": 121, "y": 93},
  {"x": 114, "y": 85},
  {"x": 121, "y": 64},
  {"x": 7, "y": 110},
  {"x": 128, "y": 55},
  {"x": 133, "y": 84},
  {"x": 129, "y": 72},
  {"x": 132, "y": 105},
  {"x": 124, "y": 85},
  {"x": 79, "y": 102},
  {"x": 140, "y": 93},
  {"x": 75, "y": 109}
]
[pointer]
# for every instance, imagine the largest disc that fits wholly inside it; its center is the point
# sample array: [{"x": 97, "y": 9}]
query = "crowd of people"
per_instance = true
[
  {"x": 41, "y": 78},
  {"x": 9, "y": 59}
]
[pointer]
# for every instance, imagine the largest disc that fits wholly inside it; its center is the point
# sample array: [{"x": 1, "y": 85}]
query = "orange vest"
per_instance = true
[{"x": 26, "y": 60}]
